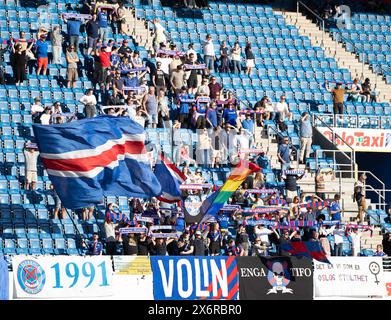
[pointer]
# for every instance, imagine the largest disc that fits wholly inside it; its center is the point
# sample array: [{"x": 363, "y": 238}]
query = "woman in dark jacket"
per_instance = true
[{"x": 19, "y": 62}]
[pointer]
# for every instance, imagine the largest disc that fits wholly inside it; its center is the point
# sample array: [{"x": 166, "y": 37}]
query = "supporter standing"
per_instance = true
[
  {"x": 31, "y": 157},
  {"x": 224, "y": 58},
  {"x": 92, "y": 29},
  {"x": 386, "y": 242},
  {"x": 41, "y": 47},
  {"x": 158, "y": 78},
  {"x": 177, "y": 79},
  {"x": 283, "y": 154},
  {"x": 214, "y": 88},
  {"x": 338, "y": 97},
  {"x": 57, "y": 40},
  {"x": 94, "y": 247},
  {"x": 150, "y": 106},
  {"x": 359, "y": 196},
  {"x": 73, "y": 27},
  {"x": 103, "y": 24},
  {"x": 19, "y": 62},
  {"x": 335, "y": 209},
  {"x": 209, "y": 53},
  {"x": 338, "y": 234},
  {"x": 89, "y": 101},
  {"x": 305, "y": 136},
  {"x": 72, "y": 60},
  {"x": 250, "y": 58},
  {"x": 235, "y": 58}
]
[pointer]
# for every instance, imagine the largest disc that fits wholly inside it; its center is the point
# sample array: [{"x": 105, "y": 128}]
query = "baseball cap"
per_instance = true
[{"x": 198, "y": 232}]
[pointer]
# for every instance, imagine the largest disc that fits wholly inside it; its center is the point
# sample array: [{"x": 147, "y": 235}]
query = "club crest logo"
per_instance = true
[
  {"x": 278, "y": 277},
  {"x": 31, "y": 276}
]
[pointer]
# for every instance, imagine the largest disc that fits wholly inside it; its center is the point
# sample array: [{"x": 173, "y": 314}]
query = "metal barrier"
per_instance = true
[
  {"x": 319, "y": 19},
  {"x": 353, "y": 121}
]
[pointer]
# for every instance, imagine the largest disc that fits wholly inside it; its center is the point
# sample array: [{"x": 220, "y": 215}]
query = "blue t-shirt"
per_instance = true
[
  {"x": 95, "y": 249},
  {"x": 201, "y": 109},
  {"x": 223, "y": 221},
  {"x": 180, "y": 224},
  {"x": 73, "y": 27},
  {"x": 230, "y": 116},
  {"x": 284, "y": 151},
  {"x": 184, "y": 106},
  {"x": 335, "y": 207},
  {"x": 212, "y": 117},
  {"x": 248, "y": 124},
  {"x": 42, "y": 49},
  {"x": 102, "y": 18}
]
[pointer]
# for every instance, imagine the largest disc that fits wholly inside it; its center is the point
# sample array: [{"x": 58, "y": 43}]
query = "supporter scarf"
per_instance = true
[
  {"x": 164, "y": 235},
  {"x": 256, "y": 151},
  {"x": 315, "y": 204},
  {"x": 293, "y": 172},
  {"x": 194, "y": 66},
  {"x": 69, "y": 15},
  {"x": 133, "y": 230},
  {"x": 134, "y": 89},
  {"x": 187, "y": 100},
  {"x": 266, "y": 210},
  {"x": 160, "y": 227},
  {"x": 195, "y": 186},
  {"x": 143, "y": 219},
  {"x": 203, "y": 99},
  {"x": 250, "y": 111},
  {"x": 133, "y": 70},
  {"x": 170, "y": 52},
  {"x": 262, "y": 191},
  {"x": 265, "y": 222},
  {"x": 230, "y": 207},
  {"x": 358, "y": 226},
  {"x": 277, "y": 201}
]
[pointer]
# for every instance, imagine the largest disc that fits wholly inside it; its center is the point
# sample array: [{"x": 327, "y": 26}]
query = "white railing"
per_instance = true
[{"x": 353, "y": 121}]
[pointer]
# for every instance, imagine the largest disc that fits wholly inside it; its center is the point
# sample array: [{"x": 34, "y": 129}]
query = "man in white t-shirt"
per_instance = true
[
  {"x": 355, "y": 237},
  {"x": 160, "y": 36},
  {"x": 262, "y": 233},
  {"x": 36, "y": 109},
  {"x": 209, "y": 53},
  {"x": 89, "y": 101},
  {"x": 338, "y": 234},
  {"x": 282, "y": 110}
]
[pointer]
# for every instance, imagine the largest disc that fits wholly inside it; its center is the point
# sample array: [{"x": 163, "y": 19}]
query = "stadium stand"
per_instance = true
[{"x": 286, "y": 63}]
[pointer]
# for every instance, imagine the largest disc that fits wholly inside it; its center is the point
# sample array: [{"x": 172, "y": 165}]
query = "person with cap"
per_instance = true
[
  {"x": 72, "y": 61},
  {"x": 41, "y": 47},
  {"x": 305, "y": 136},
  {"x": 92, "y": 29},
  {"x": 359, "y": 196},
  {"x": 284, "y": 154},
  {"x": 31, "y": 157},
  {"x": 338, "y": 96},
  {"x": 124, "y": 50}
]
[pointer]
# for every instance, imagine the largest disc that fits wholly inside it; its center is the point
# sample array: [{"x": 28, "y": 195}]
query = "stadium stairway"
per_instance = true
[
  {"x": 336, "y": 50},
  {"x": 343, "y": 186}
]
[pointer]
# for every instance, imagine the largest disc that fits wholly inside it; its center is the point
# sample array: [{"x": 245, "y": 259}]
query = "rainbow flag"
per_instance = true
[{"x": 212, "y": 205}]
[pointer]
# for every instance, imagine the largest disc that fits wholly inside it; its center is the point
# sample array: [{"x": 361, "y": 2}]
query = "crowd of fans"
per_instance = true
[{"x": 179, "y": 90}]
